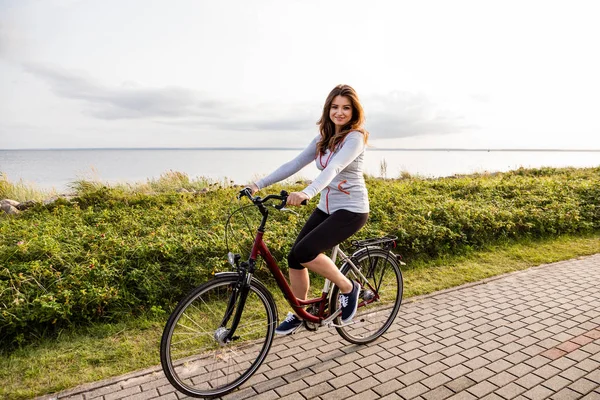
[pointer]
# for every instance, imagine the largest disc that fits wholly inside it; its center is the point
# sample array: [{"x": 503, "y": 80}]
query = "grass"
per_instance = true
[
  {"x": 99, "y": 351},
  {"x": 21, "y": 191}
]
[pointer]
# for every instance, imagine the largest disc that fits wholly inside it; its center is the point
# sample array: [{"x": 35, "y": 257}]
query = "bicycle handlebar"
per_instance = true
[{"x": 283, "y": 195}]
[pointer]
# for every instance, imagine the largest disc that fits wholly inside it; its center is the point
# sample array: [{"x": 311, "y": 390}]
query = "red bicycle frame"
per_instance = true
[{"x": 259, "y": 247}]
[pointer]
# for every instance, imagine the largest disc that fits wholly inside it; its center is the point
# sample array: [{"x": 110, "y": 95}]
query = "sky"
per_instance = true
[{"x": 237, "y": 73}]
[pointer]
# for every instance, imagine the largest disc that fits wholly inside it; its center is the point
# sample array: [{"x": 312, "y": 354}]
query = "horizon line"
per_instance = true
[{"x": 292, "y": 148}]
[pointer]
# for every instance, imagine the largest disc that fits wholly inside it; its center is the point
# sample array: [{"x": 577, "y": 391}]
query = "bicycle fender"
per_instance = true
[{"x": 235, "y": 275}]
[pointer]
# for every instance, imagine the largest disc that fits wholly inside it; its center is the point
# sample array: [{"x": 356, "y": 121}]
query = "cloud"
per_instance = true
[
  {"x": 128, "y": 101},
  {"x": 404, "y": 114},
  {"x": 395, "y": 115},
  {"x": 169, "y": 105}
]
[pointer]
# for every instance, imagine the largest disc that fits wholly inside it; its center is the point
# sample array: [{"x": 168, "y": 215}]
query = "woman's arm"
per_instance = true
[
  {"x": 291, "y": 167},
  {"x": 351, "y": 148}
]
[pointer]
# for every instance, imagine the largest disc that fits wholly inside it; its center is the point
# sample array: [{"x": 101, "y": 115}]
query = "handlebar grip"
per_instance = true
[{"x": 304, "y": 202}]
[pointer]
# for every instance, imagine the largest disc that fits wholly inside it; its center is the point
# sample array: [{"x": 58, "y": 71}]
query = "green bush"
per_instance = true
[{"x": 112, "y": 252}]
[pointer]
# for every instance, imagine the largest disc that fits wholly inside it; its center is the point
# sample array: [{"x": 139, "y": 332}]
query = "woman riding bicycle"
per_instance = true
[{"x": 343, "y": 207}]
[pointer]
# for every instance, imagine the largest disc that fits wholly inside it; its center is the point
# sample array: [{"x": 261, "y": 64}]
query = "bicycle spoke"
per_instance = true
[
  {"x": 198, "y": 361},
  {"x": 384, "y": 281}
]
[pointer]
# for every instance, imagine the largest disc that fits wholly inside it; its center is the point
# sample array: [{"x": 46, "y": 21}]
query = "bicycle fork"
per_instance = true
[{"x": 224, "y": 335}]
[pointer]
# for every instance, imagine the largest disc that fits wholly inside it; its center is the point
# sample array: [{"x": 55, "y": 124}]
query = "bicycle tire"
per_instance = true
[
  {"x": 374, "y": 319},
  {"x": 193, "y": 358}
]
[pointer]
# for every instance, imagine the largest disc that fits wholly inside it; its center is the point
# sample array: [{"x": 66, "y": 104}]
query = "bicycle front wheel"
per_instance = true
[
  {"x": 379, "y": 299},
  {"x": 194, "y": 354}
]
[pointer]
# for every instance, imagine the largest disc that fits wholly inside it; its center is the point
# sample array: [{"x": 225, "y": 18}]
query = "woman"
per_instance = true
[{"x": 344, "y": 203}]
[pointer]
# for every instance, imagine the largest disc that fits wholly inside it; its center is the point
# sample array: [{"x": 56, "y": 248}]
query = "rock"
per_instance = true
[
  {"x": 25, "y": 205},
  {"x": 9, "y": 209},
  {"x": 50, "y": 200},
  {"x": 13, "y": 203}
]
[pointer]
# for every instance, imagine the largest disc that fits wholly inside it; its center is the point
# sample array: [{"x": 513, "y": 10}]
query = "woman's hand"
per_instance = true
[
  {"x": 296, "y": 198},
  {"x": 253, "y": 188}
]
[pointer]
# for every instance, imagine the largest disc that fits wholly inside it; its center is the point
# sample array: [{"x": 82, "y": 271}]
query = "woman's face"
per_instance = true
[{"x": 340, "y": 112}]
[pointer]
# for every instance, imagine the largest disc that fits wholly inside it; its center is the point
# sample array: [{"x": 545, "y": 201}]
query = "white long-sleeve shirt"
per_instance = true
[{"x": 341, "y": 182}]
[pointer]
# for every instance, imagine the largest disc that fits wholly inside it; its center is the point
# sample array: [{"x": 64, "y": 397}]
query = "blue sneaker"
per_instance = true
[
  {"x": 349, "y": 303},
  {"x": 289, "y": 325}
]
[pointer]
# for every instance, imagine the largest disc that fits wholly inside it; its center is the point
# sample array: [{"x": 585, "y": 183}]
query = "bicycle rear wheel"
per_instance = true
[
  {"x": 382, "y": 291},
  {"x": 193, "y": 352}
]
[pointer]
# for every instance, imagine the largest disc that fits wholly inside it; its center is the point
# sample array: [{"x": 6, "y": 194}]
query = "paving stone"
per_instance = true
[
  {"x": 480, "y": 374},
  {"x": 320, "y": 377},
  {"x": 454, "y": 360},
  {"x": 556, "y": 383},
  {"x": 510, "y": 391},
  {"x": 583, "y": 386},
  {"x": 492, "y": 396},
  {"x": 563, "y": 363},
  {"x": 104, "y": 390},
  {"x": 537, "y": 361},
  {"x": 462, "y": 396},
  {"x": 538, "y": 393},
  {"x": 316, "y": 390},
  {"x": 440, "y": 393},
  {"x": 412, "y": 377},
  {"x": 269, "y": 384},
  {"x": 368, "y": 395},
  {"x": 364, "y": 384},
  {"x": 237, "y": 394},
  {"x": 456, "y": 371},
  {"x": 516, "y": 358},
  {"x": 547, "y": 371},
  {"x": 566, "y": 394},
  {"x": 412, "y": 391},
  {"x": 482, "y": 388},
  {"x": 460, "y": 384},
  {"x": 520, "y": 369},
  {"x": 339, "y": 394},
  {"x": 390, "y": 386},
  {"x": 270, "y": 395},
  {"x": 362, "y": 373},
  {"x": 529, "y": 380},
  {"x": 573, "y": 373},
  {"x": 476, "y": 363},
  {"x": 296, "y": 386},
  {"x": 431, "y": 358},
  {"x": 391, "y": 396},
  {"x": 296, "y": 375},
  {"x": 122, "y": 393},
  {"x": 502, "y": 379},
  {"x": 435, "y": 380}
]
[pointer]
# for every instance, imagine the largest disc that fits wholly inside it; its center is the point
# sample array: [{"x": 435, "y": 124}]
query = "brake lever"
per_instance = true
[
  {"x": 244, "y": 192},
  {"x": 289, "y": 210}
]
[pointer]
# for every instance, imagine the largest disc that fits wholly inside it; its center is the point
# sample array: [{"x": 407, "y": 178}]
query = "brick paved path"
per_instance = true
[{"x": 530, "y": 335}]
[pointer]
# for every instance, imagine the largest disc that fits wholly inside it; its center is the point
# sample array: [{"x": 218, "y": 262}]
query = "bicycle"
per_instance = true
[{"x": 219, "y": 335}]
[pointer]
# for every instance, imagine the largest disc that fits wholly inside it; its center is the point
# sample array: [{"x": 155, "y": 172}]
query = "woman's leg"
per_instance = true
[
  {"x": 299, "y": 278},
  {"x": 299, "y": 282},
  {"x": 338, "y": 227},
  {"x": 325, "y": 267}
]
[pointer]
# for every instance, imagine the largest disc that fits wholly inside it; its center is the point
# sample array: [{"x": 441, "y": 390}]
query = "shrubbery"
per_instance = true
[{"x": 110, "y": 253}]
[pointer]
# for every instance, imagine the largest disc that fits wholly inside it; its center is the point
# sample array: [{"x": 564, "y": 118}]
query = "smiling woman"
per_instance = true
[{"x": 338, "y": 152}]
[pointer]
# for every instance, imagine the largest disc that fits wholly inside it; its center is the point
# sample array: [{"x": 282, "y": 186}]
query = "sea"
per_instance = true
[{"x": 57, "y": 169}]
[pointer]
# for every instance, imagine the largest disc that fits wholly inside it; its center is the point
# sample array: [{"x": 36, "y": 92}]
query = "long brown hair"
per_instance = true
[{"x": 329, "y": 139}]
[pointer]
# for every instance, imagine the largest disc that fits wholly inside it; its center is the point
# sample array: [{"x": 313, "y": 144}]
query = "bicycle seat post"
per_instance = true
[{"x": 334, "y": 252}]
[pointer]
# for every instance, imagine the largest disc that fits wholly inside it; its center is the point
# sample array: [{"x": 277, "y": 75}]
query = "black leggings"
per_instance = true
[{"x": 321, "y": 232}]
